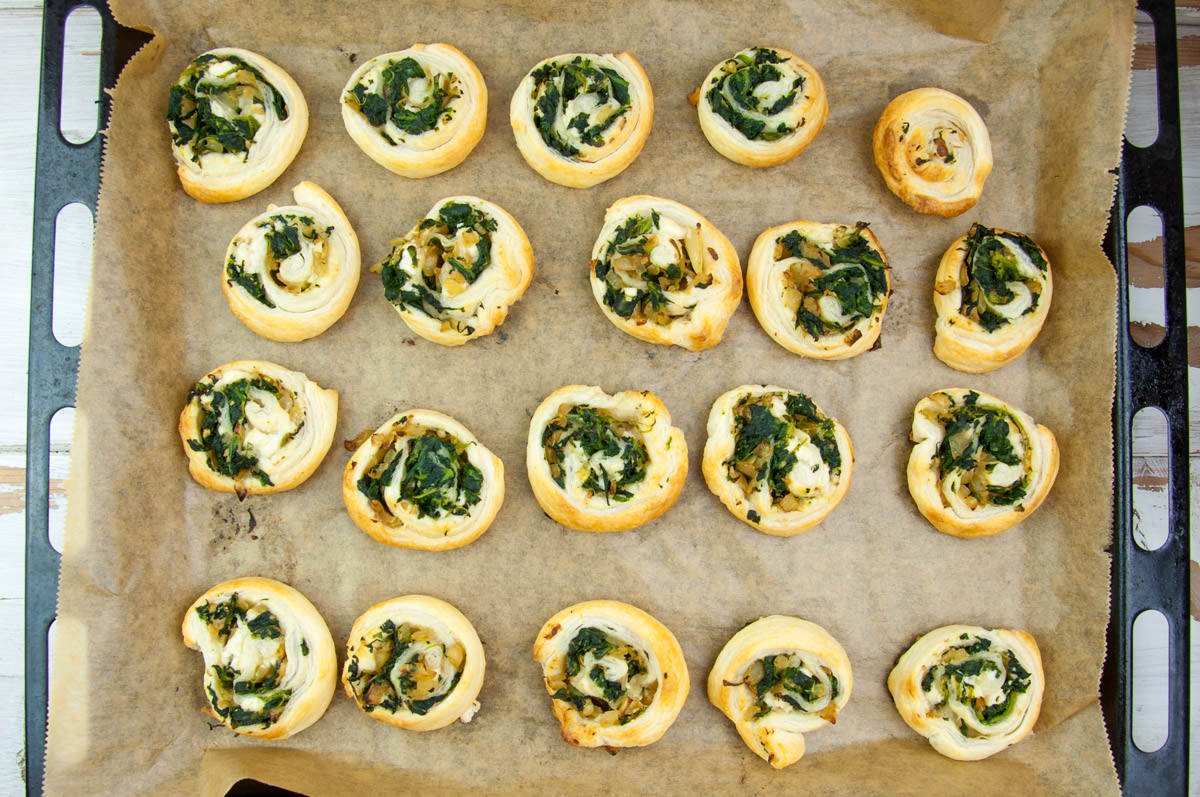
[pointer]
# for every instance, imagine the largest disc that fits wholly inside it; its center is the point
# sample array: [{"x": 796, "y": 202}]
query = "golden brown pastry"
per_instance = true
[
  {"x": 779, "y": 678},
  {"x": 819, "y": 290},
  {"x": 582, "y": 118},
  {"x": 269, "y": 663},
  {"x": 970, "y": 691},
  {"x": 252, "y": 427},
  {"x": 661, "y": 272},
  {"x": 992, "y": 294},
  {"x": 615, "y": 675},
  {"x": 978, "y": 466},
  {"x": 417, "y": 112},
  {"x": 414, "y": 662},
  {"x": 604, "y": 463},
  {"x": 933, "y": 151},
  {"x": 775, "y": 460},
  {"x": 236, "y": 121},
  {"x": 422, "y": 480}
]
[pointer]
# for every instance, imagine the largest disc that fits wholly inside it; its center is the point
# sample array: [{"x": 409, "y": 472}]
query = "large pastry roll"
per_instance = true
[
  {"x": 236, "y": 121},
  {"x": 416, "y": 112},
  {"x": 422, "y": 480},
  {"x": 661, "y": 272},
  {"x": 992, "y": 294},
  {"x": 978, "y": 466},
  {"x": 761, "y": 107},
  {"x": 615, "y": 675},
  {"x": 819, "y": 290},
  {"x": 269, "y": 663},
  {"x": 779, "y": 678},
  {"x": 581, "y": 118},
  {"x": 414, "y": 662},
  {"x": 970, "y": 691},
  {"x": 774, "y": 459},
  {"x": 291, "y": 272},
  {"x": 933, "y": 151},
  {"x": 456, "y": 273},
  {"x": 604, "y": 463},
  {"x": 252, "y": 426}
]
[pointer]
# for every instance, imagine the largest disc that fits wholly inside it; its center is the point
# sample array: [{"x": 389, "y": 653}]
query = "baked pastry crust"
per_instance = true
[
  {"x": 435, "y": 657},
  {"x": 453, "y": 277},
  {"x": 776, "y": 111},
  {"x": 819, "y": 290},
  {"x": 257, "y": 123},
  {"x": 992, "y": 294},
  {"x": 282, "y": 430},
  {"x": 661, "y": 272},
  {"x": 577, "y": 479},
  {"x": 971, "y": 691},
  {"x": 291, "y": 272},
  {"x": 616, "y": 676},
  {"x": 779, "y": 678},
  {"x": 444, "y": 498},
  {"x": 269, "y": 663},
  {"x": 979, "y": 466},
  {"x": 611, "y": 90},
  {"x": 416, "y": 112},
  {"x": 755, "y": 431},
  {"x": 933, "y": 151}
]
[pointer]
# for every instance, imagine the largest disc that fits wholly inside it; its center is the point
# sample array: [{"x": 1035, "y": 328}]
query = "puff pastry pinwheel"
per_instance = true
[
  {"x": 422, "y": 480},
  {"x": 819, "y": 290},
  {"x": 615, "y": 675},
  {"x": 978, "y": 466},
  {"x": 970, "y": 691},
  {"x": 454, "y": 276},
  {"x": 992, "y": 294},
  {"x": 661, "y": 272},
  {"x": 779, "y": 678},
  {"x": 414, "y": 662},
  {"x": 762, "y": 107},
  {"x": 933, "y": 151},
  {"x": 269, "y": 663},
  {"x": 582, "y": 118},
  {"x": 236, "y": 121},
  {"x": 775, "y": 460},
  {"x": 417, "y": 112},
  {"x": 291, "y": 272},
  {"x": 604, "y": 463},
  {"x": 252, "y": 427}
]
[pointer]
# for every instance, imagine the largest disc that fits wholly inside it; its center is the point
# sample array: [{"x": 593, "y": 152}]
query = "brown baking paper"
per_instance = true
[{"x": 1049, "y": 79}]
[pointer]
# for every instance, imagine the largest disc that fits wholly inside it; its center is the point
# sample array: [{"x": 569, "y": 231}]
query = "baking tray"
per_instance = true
[{"x": 1146, "y": 377}]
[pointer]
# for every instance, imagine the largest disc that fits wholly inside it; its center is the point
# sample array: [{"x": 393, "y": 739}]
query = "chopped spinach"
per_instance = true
[
  {"x": 991, "y": 269},
  {"x": 595, "y": 432},
  {"x": 432, "y": 473},
  {"x": 732, "y": 94},
  {"x": 395, "y": 99},
  {"x": 979, "y": 436},
  {"x": 850, "y": 270},
  {"x": 223, "y": 426},
  {"x": 216, "y": 105},
  {"x": 557, "y": 83}
]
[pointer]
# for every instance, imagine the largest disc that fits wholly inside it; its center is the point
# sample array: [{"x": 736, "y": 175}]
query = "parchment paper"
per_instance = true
[{"x": 1050, "y": 80}]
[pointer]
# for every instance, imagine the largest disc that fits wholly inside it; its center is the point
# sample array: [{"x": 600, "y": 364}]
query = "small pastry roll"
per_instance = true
[
  {"x": 253, "y": 427},
  {"x": 580, "y": 119},
  {"x": 615, "y": 675},
  {"x": 970, "y": 691},
  {"x": 414, "y": 662},
  {"x": 454, "y": 276},
  {"x": 819, "y": 290},
  {"x": 775, "y": 460},
  {"x": 236, "y": 120},
  {"x": 777, "y": 679},
  {"x": 269, "y": 663},
  {"x": 422, "y": 480},
  {"x": 661, "y": 272},
  {"x": 291, "y": 272},
  {"x": 417, "y": 112},
  {"x": 992, "y": 294},
  {"x": 933, "y": 151},
  {"x": 604, "y": 463},
  {"x": 978, "y": 466},
  {"x": 762, "y": 107}
]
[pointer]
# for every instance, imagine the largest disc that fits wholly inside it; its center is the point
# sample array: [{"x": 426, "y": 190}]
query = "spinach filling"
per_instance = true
[
  {"x": 223, "y": 424},
  {"x": 976, "y": 440},
  {"x": 285, "y": 234},
  {"x": 953, "y": 680},
  {"x": 430, "y": 472},
  {"x": 731, "y": 94},
  {"x": 616, "y": 454},
  {"x": 788, "y": 679},
  {"x": 220, "y": 112},
  {"x": 406, "y": 96},
  {"x": 990, "y": 271},
  {"x": 851, "y": 271},
  {"x": 245, "y": 698},
  {"x": 591, "y": 657},
  {"x": 404, "y": 669},
  {"x": 557, "y": 84}
]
